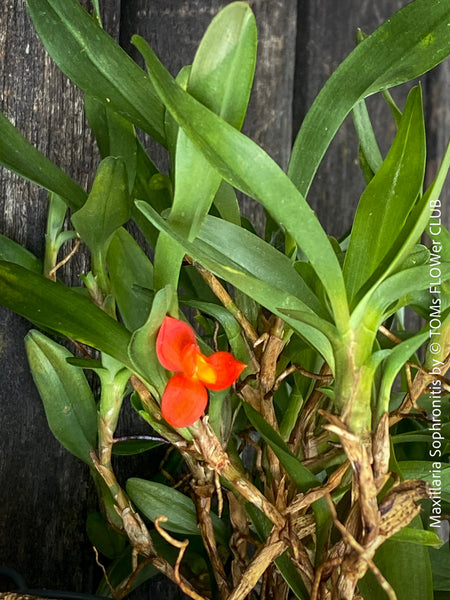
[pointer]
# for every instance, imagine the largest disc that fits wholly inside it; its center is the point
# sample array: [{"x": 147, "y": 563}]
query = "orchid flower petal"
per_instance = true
[
  {"x": 173, "y": 339},
  {"x": 226, "y": 368},
  {"x": 184, "y": 401}
]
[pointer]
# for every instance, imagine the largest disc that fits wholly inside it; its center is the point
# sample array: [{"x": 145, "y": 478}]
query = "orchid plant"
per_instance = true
[{"x": 280, "y": 370}]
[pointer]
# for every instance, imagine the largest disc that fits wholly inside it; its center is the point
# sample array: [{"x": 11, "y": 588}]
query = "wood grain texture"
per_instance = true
[{"x": 45, "y": 492}]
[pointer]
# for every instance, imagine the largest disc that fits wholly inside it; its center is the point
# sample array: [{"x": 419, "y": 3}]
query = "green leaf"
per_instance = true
[
  {"x": 420, "y": 537},
  {"x": 426, "y": 470},
  {"x": 221, "y": 77},
  {"x": 397, "y": 287},
  {"x": 388, "y": 199},
  {"x": 312, "y": 328},
  {"x": 18, "y": 155},
  {"x": 392, "y": 365},
  {"x": 101, "y": 535},
  {"x": 406, "y": 241},
  {"x": 231, "y": 153},
  {"x": 407, "y": 568},
  {"x": 54, "y": 306},
  {"x": 155, "y": 499},
  {"x": 107, "y": 206},
  {"x": 409, "y": 43},
  {"x": 231, "y": 326},
  {"x": 302, "y": 477},
  {"x": 258, "y": 257},
  {"x": 96, "y": 63},
  {"x": 224, "y": 65},
  {"x": 440, "y": 565},
  {"x": 115, "y": 135},
  {"x": 367, "y": 140},
  {"x": 135, "y": 445},
  {"x": 11, "y": 251},
  {"x": 227, "y": 204},
  {"x": 68, "y": 400},
  {"x": 130, "y": 272}
]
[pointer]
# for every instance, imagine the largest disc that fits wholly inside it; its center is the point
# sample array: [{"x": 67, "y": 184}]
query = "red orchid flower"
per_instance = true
[{"x": 185, "y": 397}]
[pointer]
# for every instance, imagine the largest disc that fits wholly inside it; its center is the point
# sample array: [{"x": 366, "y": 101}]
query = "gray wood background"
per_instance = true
[{"x": 44, "y": 492}]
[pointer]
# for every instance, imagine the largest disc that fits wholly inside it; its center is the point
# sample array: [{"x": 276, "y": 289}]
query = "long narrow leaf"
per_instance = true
[
  {"x": 11, "y": 251},
  {"x": 317, "y": 331},
  {"x": 18, "y": 155},
  {"x": 414, "y": 227},
  {"x": 221, "y": 77},
  {"x": 260, "y": 258},
  {"x": 388, "y": 199},
  {"x": 96, "y": 63},
  {"x": 54, "y": 306},
  {"x": 411, "y": 42},
  {"x": 247, "y": 167}
]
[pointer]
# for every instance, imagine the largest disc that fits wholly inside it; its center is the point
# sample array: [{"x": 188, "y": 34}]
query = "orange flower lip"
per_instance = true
[{"x": 185, "y": 397}]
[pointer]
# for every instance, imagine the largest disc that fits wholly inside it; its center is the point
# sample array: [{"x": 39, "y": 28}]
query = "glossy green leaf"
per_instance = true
[
  {"x": 397, "y": 287},
  {"x": 230, "y": 153},
  {"x": 392, "y": 365},
  {"x": 152, "y": 187},
  {"x": 56, "y": 215},
  {"x": 130, "y": 272},
  {"x": 420, "y": 537},
  {"x": 11, "y": 251},
  {"x": 409, "y": 43},
  {"x": 407, "y": 568},
  {"x": 220, "y": 77},
  {"x": 223, "y": 68},
  {"x": 18, "y": 155},
  {"x": 258, "y": 257},
  {"x": 227, "y": 204},
  {"x": 96, "y": 63},
  {"x": 315, "y": 330},
  {"x": 155, "y": 499},
  {"x": 68, "y": 401},
  {"x": 406, "y": 241},
  {"x": 54, "y": 306},
  {"x": 107, "y": 206},
  {"x": 388, "y": 199},
  {"x": 428, "y": 470}
]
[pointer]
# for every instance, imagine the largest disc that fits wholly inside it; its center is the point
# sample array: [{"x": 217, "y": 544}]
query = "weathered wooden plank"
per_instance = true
[{"x": 45, "y": 491}]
